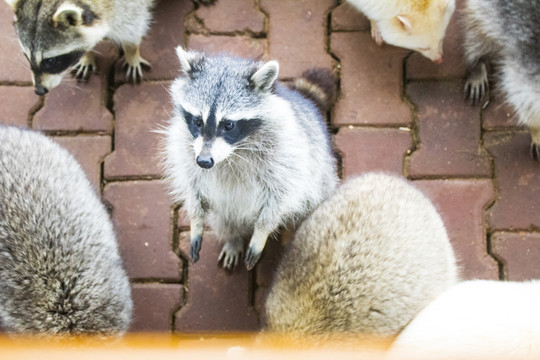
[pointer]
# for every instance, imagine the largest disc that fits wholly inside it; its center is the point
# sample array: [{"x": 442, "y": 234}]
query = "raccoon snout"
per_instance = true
[
  {"x": 40, "y": 90},
  {"x": 206, "y": 162}
]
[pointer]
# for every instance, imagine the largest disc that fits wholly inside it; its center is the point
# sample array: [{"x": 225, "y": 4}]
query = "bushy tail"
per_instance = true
[{"x": 319, "y": 85}]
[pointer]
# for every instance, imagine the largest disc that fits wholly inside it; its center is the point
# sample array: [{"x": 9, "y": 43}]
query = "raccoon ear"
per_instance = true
[
  {"x": 68, "y": 15},
  {"x": 266, "y": 76},
  {"x": 188, "y": 60},
  {"x": 405, "y": 21},
  {"x": 12, "y": 3}
]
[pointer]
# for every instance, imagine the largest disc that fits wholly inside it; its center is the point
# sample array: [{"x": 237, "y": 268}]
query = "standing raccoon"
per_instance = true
[
  {"x": 506, "y": 33},
  {"x": 418, "y": 25},
  {"x": 60, "y": 271},
  {"x": 245, "y": 153},
  {"x": 364, "y": 263}
]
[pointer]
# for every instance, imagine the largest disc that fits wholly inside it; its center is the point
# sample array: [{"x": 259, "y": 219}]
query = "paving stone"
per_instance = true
[
  {"x": 15, "y": 67},
  {"x": 371, "y": 149},
  {"x": 89, "y": 151},
  {"x": 371, "y": 82},
  {"x": 142, "y": 216},
  {"x": 139, "y": 111},
  {"x": 420, "y": 67},
  {"x": 158, "y": 46},
  {"x": 449, "y": 131},
  {"x": 300, "y": 44},
  {"x": 232, "y": 16},
  {"x": 519, "y": 254},
  {"x": 499, "y": 115},
  {"x": 154, "y": 305},
  {"x": 18, "y": 102},
  {"x": 243, "y": 46},
  {"x": 216, "y": 300},
  {"x": 345, "y": 17},
  {"x": 79, "y": 106},
  {"x": 461, "y": 204},
  {"x": 518, "y": 182}
]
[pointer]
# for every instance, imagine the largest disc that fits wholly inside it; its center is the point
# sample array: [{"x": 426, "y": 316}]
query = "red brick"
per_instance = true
[
  {"x": 461, "y": 204},
  {"x": 139, "y": 111},
  {"x": 142, "y": 216},
  {"x": 371, "y": 82},
  {"x": 498, "y": 115},
  {"x": 420, "y": 67},
  {"x": 518, "y": 182},
  {"x": 17, "y": 103},
  {"x": 449, "y": 131},
  {"x": 15, "y": 67},
  {"x": 89, "y": 151},
  {"x": 216, "y": 300},
  {"x": 345, "y": 17},
  {"x": 154, "y": 305},
  {"x": 369, "y": 149},
  {"x": 231, "y": 16},
  {"x": 297, "y": 44},
  {"x": 243, "y": 46},
  {"x": 519, "y": 254},
  {"x": 158, "y": 46}
]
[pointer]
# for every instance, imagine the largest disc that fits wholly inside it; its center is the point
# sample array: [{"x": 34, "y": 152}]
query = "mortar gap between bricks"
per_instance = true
[
  {"x": 489, "y": 249},
  {"x": 33, "y": 111}
]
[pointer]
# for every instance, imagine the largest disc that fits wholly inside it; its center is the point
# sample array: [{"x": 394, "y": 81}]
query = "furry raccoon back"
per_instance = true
[
  {"x": 365, "y": 262},
  {"x": 60, "y": 270}
]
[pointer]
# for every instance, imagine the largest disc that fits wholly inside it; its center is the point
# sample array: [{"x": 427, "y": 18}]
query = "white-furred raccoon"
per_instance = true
[
  {"x": 364, "y": 263},
  {"x": 506, "y": 34},
  {"x": 418, "y": 25},
  {"x": 60, "y": 270},
  {"x": 476, "y": 320},
  {"x": 245, "y": 153}
]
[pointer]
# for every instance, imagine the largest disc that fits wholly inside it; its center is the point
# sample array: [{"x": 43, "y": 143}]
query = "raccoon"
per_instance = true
[
  {"x": 56, "y": 34},
  {"x": 245, "y": 153},
  {"x": 60, "y": 270},
  {"x": 479, "y": 319},
  {"x": 505, "y": 34},
  {"x": 418, "y": 25},
  {"x": 363, "y": 264}
]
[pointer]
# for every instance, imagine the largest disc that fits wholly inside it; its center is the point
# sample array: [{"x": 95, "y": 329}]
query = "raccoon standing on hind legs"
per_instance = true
[
  {"x": 505, "y": 34},
  {"x": 244, "y": 153}
]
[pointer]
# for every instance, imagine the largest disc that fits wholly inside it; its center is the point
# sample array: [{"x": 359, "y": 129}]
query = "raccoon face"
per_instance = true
[
  {"x": 54, "y": 36},
  {"x": 220, "y": 101},
  {"x": 423, "y": 32}
]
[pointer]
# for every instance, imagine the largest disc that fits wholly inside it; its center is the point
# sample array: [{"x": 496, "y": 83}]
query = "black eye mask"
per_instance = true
[{"x": 58, "y": 64}]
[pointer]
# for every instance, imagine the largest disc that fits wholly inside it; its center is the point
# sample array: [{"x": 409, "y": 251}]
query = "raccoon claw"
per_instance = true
[
  {"x": 196, "y": 244},
  {"x": 134, "y": 69},
  {"x": 252, "y": 257},
  {"x": 230, "y": 255},
  {"x": 477, "y": 85}
]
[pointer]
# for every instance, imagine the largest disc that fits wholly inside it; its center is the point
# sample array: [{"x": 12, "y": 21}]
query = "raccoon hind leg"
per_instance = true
[
  {"x": 86, "y": 65},
  {"x": 133, "y": 62},
  {"x": 231, "y": 253}
]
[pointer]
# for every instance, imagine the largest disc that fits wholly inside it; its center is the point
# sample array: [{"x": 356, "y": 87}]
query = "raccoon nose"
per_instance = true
[
  {"x": 205, "y": 162},
  {"x": 41, "y": 90}
]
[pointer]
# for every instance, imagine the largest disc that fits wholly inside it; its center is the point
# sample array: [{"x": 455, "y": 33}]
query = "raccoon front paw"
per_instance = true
[
  {"x": 376, "y": 34},
  {"x": 535, "y": 151},
  {"x": 134, "y": 69},
  {"x": 85, "y": 66},
  {"x": 196, "y": 244},
  {"x": 477, "y": 85},
  {"x": 252, "y": 257},
  {"x": 230, "y": 254}
]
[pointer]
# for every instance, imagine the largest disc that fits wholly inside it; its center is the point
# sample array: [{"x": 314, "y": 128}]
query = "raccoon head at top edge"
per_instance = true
[
  {"x": 244, "y": 154},
  {"x": 57, "y": 36}
]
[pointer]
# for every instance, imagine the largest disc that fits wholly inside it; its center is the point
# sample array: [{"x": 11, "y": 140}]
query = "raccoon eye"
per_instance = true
[
  {"x": 198, "y": 122},
  {"x": 228, "y": 125}
]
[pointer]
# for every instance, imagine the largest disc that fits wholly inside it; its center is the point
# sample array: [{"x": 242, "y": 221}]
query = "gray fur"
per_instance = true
[
  {"x": 505, "y": 33},
  {"x": 274, "y": 177},
  {"x": 365, "y": 262},
  {"x": 60, "y": 270}
]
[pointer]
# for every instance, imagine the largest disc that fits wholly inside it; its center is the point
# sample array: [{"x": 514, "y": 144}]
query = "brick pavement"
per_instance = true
[{"x": 396, "y": 112}]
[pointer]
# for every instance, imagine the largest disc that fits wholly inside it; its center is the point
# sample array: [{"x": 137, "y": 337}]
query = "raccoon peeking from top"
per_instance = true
[
  {"x": 58, "y": 34},
  {"x": 418, "y": 25},
  {"x": 245, "y": 153}
]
